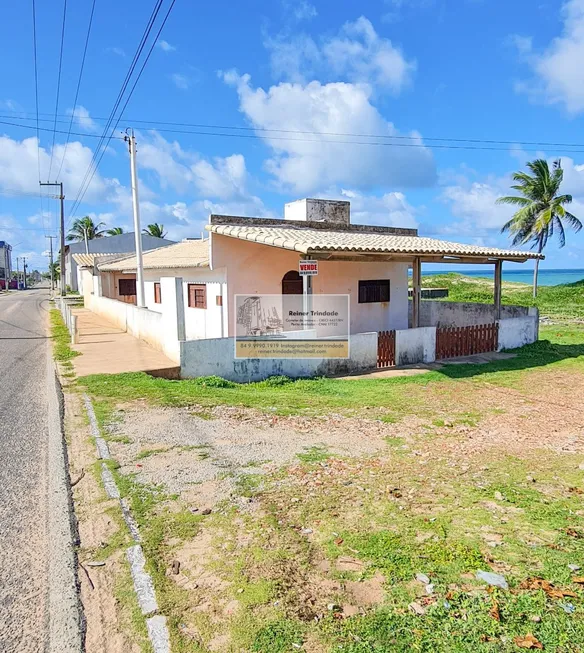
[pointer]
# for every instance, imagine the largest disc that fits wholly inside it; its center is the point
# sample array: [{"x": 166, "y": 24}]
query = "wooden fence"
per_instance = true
[
  {"x": 385, "y": 348},
  {"x": 466, "y": 341}
]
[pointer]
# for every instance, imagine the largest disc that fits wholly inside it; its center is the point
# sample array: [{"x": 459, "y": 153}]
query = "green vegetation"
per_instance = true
[
  {"x": 62, "y": 351},
  {"x": 565, "y": 301},
  {"x": 386, "y": 399}
]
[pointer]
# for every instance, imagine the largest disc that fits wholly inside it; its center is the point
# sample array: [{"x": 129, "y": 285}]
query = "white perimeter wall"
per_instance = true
[
  {"x": 217, "y": 357},
  {"x": 253, "y": 268},
  {"x": 199, "y": 322},
  {"x": 415, "y": 346},
  {"x": 518, "y": 331}
]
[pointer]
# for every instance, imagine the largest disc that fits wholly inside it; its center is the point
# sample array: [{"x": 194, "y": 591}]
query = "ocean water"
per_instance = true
[{"x": 545, "y": 277}]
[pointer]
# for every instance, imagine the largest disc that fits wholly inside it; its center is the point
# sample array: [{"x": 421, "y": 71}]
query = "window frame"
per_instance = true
[
  {"x": 372, "y": 291},
  {"x": 157, "y": 293},
  {"x": 125, "y": 281},
  {"x": 192, "y": 289}
]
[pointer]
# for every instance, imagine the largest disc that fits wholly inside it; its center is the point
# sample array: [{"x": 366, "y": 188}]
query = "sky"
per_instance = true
[{"x": 391, "y": 104}]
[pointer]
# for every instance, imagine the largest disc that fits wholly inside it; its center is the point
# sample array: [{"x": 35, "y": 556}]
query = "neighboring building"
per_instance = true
[
  {"x": 107, "y": 245},
  {"x": 256, "y": 256},
  {"x": 5, "y": 262}
]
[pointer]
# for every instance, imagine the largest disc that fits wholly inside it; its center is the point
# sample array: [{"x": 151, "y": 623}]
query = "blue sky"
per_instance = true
[{"x": 414, "y": 69}]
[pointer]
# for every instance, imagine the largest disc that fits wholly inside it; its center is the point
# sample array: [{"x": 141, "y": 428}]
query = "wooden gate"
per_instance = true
[
  {"x": 385, "y": 348},
  {"x": 466, "y": 341}
]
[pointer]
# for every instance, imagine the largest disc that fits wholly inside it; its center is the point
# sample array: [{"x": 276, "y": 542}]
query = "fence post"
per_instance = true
[{"x": 73, "y": 329}]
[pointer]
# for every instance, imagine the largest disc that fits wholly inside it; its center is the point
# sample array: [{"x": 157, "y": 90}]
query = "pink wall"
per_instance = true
[{"x": 253, "y": 268}]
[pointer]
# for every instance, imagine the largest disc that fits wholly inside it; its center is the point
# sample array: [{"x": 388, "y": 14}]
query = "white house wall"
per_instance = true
[{"x": 199, "y": 322}]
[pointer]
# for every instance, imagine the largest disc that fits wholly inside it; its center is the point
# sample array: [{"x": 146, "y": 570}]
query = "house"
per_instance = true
[
  {"x": 104, "y": 246},
  {"x": 192, "y": 286}
]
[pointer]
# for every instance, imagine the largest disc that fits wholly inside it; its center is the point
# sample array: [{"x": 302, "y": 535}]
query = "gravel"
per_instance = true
[{"x": 211, "y": 454}]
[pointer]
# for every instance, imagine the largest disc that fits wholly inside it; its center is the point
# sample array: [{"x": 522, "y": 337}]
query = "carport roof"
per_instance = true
[{"x": 308, "y": 238}]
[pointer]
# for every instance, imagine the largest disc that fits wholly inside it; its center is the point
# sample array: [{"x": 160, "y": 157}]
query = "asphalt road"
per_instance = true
[{"x": 23, "y": 471}]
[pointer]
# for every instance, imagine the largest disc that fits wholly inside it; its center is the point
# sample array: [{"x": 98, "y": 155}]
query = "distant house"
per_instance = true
[
  {"x": 106, "y": 246},
  {"x": 190, "y": 290}
]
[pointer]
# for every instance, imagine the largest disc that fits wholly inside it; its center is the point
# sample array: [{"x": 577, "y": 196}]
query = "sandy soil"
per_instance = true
[{"x": 105, "y": 624}]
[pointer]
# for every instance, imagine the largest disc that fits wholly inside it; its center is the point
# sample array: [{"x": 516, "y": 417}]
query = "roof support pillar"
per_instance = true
[
  {"x": 306, "y": 294},
  {"x": 498, "y": 280},
  {"x": 417, "y": 291}
]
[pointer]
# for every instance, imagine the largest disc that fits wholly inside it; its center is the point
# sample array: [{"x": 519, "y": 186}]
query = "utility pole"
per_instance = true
[
  {"x": 62, "y": 234},
  {"x": 17, "y": 275},
  {"x": 52, "y": 268},
  {"x": 24, "y": 270},
  {"x": 129, "y": 138}
]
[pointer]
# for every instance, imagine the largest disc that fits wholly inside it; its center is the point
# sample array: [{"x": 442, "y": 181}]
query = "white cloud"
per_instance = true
[
  {"x": 181, "y": 81},
  {"x": 356, "y": 54},
  {"x": 82, "y": 118},
  {"x": 188, "y": 172},
  {"x": 18, "y": 166},
  {"x": 165, "y": 46},
  {"x": 300, "y": 9},
  {"x": 559, "y": 74},
  {"x": 388, "y": 210},
  {"x": 118, "y": 51},
  {"x": 474, "y": 204},
  {"x": 307, "y": 162}
]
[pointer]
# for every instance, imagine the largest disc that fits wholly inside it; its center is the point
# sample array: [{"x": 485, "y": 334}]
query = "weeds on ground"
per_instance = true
[{"x": 62, "y": 351}]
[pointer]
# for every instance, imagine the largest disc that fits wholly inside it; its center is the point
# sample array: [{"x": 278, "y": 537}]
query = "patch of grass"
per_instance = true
[
  {"x": 248, "y": 485},
  {"x": 62, "y": 351},
  {"x": 130, "y": 611},
  {"x": 146, "y": 453},
  {"x": 277, "y": 637},
  {"x": 386, "y": 399},
  {"x": 315, "y": 454},
  {"x": 563, "y": 301}
]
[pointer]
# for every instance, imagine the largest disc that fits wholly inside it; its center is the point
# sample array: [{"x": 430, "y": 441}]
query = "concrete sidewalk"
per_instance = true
[{"x": 107, "y": 349}]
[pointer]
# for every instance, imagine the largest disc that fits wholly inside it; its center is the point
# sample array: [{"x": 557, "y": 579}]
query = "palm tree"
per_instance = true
[
  {"x": 541, "y": 209},
  {"x": 156, "y": 230},
  {"x": 85, "y": 229},
  {"x": 115, "y": 231}
]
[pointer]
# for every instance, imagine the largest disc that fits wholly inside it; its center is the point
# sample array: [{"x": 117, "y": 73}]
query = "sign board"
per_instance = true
[
  {"x": 308, "y": 268},
  {"x": 281, "y": 326}
]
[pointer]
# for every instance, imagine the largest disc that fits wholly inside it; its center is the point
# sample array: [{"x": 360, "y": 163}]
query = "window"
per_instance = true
[
  {"x": 374, "y": 291},
  {"x": 157, "y": 295},
  {"x": 127, "y": 287},
  {"x": 197, "y": 295}
]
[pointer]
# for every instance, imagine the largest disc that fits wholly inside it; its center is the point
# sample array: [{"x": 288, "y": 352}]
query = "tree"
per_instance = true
[
  {"x": 541, "y": 211},
  {"x": 115, "y": 231},
  {"x": 85, "y": 229},
  {"x": 156, "y": 230}
]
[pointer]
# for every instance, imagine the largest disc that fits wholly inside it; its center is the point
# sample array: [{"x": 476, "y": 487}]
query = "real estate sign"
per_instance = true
[
  {"x": 292, "y": 326},
  {"x": 308, "y": 268}
]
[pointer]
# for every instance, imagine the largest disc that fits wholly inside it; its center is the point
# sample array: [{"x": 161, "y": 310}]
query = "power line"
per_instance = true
[
  {"x": 47, "y": 129},
  {"x": 317, "y": 133},
  {"x": 91, "y": 169},
  {"x": 155, "y": 40},
  {"x": 36, "y": 97},
  {"x": 78, "y": 87},
  {"x": 58, "y": 86}
]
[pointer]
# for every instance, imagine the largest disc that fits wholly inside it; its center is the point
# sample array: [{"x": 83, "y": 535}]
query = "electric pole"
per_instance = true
[
  {"x": 52, "y": 267},
  {"x": 61, "y": 197},
  {"x": 129, "y": 138},
  {"x": 24, "y": 270},
  {"x": 17, "y": 275}
]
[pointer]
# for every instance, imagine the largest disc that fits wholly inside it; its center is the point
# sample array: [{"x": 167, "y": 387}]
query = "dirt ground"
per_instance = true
[
  {"x": 285, "y": 553},
  {"x": 100, "y": 574}
]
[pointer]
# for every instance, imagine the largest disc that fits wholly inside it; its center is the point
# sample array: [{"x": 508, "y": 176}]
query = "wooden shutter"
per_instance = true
[
  {"x": 157, "y": 294},
  {"x": 197, "y": 295}
]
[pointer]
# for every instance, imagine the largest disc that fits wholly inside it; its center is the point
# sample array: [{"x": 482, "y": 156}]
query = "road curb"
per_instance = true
[
  {"x": 142, "y": 580},
  {"x": 66, "y": 620}
]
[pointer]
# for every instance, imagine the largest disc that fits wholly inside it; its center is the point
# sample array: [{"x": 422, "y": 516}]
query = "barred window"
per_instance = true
[
  {"x": 373, "y": 291},
  {"x": 127, "y": 287},
  {"x": 197, "y": 295}
]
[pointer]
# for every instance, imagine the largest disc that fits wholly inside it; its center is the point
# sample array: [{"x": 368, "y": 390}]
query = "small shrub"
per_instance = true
[
  {"x": 275, "y": 381},
  {"x": 214, "y": 382}
]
